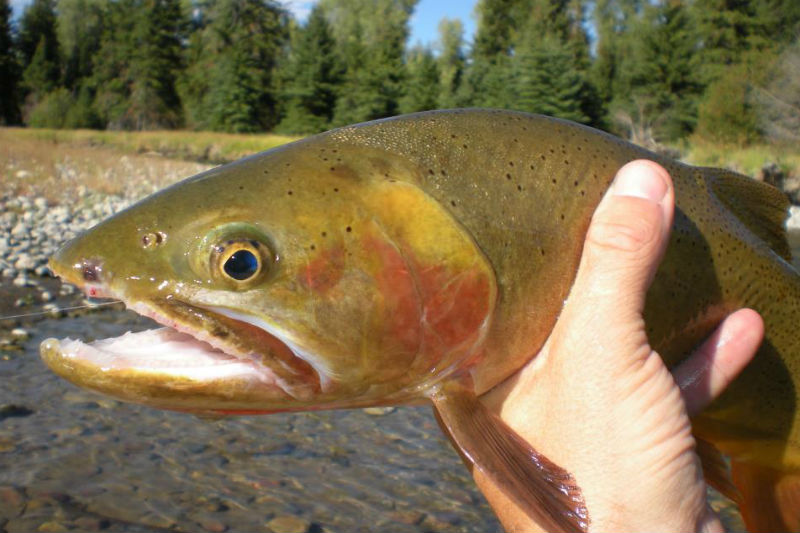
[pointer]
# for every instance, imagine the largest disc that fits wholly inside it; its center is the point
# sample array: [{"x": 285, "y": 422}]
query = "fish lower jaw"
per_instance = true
[
  {"x": 171, "y": 367},
  {"x": 156, "y": 354}
]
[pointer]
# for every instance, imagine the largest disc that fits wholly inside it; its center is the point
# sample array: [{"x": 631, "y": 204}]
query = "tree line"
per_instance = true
[{"x": 650, "y": 70}]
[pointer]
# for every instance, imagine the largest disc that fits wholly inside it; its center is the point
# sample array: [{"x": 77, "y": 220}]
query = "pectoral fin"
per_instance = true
[
  {"x": 770, "y": 499},
  {"x": 546, "y": 491},
  {"x": 715, "y": 470}
]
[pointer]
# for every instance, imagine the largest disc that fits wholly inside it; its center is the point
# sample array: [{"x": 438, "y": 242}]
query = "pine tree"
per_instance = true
[
  {"x": 38, "y": 22},
  {"x": 422, "y": 82},
  {"x": 80, "y": 32},
  {"x": 312, "y": 76},
  {"x": 451, "y": 62},
  {"x": 229, "y": 84},
  {"x": 546, "y": 80},
  {"x": 9, "y": 71},
  {"x": 487, "y": 78},
  {"x": 656, "y": 89},
  {"x": 38, "y": 45},
  {"x": 370, "y": 38},
  {"x": 157, "y": 34}
]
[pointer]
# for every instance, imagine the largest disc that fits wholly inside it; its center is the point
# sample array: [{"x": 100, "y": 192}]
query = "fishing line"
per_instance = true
[{"x": 59, "y": 309}]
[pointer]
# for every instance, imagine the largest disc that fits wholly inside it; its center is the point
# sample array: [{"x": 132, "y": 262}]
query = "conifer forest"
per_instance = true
[{"x": 652, "y": 71}]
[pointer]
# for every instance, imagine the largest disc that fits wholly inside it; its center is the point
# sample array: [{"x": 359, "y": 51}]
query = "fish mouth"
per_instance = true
[{"x": 201, "y": 360}]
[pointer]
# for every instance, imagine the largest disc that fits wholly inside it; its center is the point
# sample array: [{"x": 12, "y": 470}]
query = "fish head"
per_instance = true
[{"x": 283, "y": 283}]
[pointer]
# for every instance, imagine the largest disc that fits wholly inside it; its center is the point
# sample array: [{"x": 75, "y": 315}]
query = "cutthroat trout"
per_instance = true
[{"x": 426, "y": 258}]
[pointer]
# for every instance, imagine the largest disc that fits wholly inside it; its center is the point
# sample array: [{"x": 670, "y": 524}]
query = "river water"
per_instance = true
[{"x": 73, "y": 460}]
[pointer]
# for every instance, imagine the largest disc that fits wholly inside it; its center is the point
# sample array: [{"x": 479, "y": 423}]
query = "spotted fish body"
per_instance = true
[{"x": 403, "y": 256}]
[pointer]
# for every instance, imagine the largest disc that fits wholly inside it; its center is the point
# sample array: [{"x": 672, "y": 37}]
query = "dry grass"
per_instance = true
[
  {"x": 747, "y": 160},
  {"x": 57, "y": 170},
  {"x": 204, "y": 146}
]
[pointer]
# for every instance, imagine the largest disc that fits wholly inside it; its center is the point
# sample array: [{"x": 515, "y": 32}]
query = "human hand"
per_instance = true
[{"x": 598, "y": 400}]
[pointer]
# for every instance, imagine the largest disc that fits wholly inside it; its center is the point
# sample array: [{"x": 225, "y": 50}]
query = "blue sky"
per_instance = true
[{"x": 424, "y": 21}]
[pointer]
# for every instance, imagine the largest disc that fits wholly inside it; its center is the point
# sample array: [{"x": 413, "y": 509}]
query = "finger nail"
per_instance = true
[{"x": 640, "y": 180}]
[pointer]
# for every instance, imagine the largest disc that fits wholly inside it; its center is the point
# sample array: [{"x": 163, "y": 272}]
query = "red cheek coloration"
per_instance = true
[
  {"x": 401, "y": 301},
  {"x": 324, "y": 271},
  {"x": 438, "y": 311}
]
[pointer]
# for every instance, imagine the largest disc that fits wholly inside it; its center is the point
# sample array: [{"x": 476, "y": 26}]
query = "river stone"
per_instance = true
[
  {"x": 25, "y": 262},
  {"x": 288, "y": 524},
  {"x": 20, "y": 230},
  {"x": 20, "y": 334}
]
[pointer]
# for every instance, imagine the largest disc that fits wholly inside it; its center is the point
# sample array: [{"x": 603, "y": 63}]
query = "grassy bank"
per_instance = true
[
  {"x": 747, "y": 160},
  {"x": 206, "y": 147},
  {"x": 45, "y": 161}
]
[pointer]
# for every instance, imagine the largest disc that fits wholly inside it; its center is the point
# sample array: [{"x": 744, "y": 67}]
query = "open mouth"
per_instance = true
[{"x": 205, "y": 357}]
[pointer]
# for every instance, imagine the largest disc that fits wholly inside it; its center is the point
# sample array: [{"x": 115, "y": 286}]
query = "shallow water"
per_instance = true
[
  {"x": 70, "y": 459},
  {"x": 80, "y": 460}
]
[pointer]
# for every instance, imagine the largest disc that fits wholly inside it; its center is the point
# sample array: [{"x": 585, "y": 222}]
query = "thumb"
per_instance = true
[{"x": 627, "y": 238}]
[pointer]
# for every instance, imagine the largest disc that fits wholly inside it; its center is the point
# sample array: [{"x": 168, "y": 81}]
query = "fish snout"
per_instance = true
[{"x": 87, "y": 273}]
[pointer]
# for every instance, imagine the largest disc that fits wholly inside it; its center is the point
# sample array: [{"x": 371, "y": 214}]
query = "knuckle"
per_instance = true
[{"x": 631, "y": 231}]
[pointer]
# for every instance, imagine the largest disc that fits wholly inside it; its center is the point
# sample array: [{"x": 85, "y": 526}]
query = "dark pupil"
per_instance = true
[{"x": 241, "y": 265}]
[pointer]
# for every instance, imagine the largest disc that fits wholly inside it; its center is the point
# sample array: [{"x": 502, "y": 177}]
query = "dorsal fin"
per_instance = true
[{"x": 761, "y": 207}]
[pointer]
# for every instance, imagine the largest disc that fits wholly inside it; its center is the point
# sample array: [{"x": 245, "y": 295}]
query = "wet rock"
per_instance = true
[
  {"x": 793, "y": 222},
  {"x": 289, "y": 524},
  {"x": 20, "y": 230},
  {"x": 25, "y": 262},
  {"x": 47, "y": 296},
  {"x": 13, "y": 410},
  {"x": 90, "y": 523},
  {"x": 22, "y": 281},
  {"x": 20, "y": 334},
  {"x": 12, "y": 501},
  {"x": 66, "y": 289},
  {"x": 212, "y": 524},
  {"x": 52, "y": 526},
  {"x": 379, "y": 411}
]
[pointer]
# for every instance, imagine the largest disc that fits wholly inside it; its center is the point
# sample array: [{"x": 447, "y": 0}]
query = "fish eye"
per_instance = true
[
  {"x": 241, "y": 265},
  {"x": 240, "y": 260}
]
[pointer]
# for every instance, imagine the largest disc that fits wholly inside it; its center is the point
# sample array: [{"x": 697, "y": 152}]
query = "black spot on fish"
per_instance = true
[
  {"x": 324, "y": 233},
  {"x": 348, "y": 229},
  {"x": 508, "y": 176},
  {"x": 313, "y": 247},
  {"x": 289, "y": 193}
]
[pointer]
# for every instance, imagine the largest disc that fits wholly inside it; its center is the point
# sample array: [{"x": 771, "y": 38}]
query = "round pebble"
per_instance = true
[{"x": 288, "y": 524}]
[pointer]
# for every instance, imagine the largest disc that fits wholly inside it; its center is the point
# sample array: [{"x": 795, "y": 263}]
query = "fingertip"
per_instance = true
[
  {"x": 746, "y": 328},
  {"x": 704, "y": 375},
  {"x": 642, "y": 178}
]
